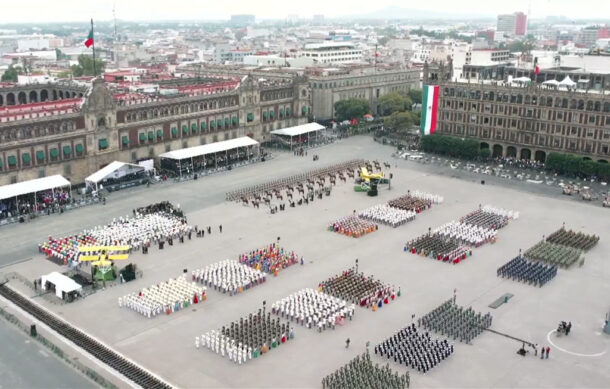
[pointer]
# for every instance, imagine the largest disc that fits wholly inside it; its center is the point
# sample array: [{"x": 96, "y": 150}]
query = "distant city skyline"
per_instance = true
[{"x": 39, "y": 11}]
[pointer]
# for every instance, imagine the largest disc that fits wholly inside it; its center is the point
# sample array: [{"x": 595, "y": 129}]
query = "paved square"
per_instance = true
[{"x": 166, "y": 344}]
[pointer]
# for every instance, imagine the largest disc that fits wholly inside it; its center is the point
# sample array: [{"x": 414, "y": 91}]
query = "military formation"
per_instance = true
[
  {"x": 314, "y": 309},
  {"x": 360, "y": 373},
  {"x": 229, "y": 276},
  {"x": 412, "y": 348},
  {"x": 355, "y": 287},
  {"x": 555, "y": 254},
  {"x": 578, "y": 240},
  {"x": 438, "y": 247},
  {"x": 523, "y": 270},
  {"x": 459, "y": 323},
  {"x": 247, "y": 337}
]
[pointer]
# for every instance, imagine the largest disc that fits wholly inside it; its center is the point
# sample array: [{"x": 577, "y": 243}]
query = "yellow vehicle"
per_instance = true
[{"x": 366, "y": 176}]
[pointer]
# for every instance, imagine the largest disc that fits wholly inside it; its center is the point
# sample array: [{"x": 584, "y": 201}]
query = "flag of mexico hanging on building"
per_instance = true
[{"x": 429, "y": 110}]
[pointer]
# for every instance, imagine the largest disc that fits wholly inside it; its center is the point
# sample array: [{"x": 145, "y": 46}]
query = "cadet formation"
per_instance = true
[
  {"x": 411, "y": 348},
  {"x": 229, "y": 276},
  {"x": 360, "y": 373},
  {"x": 531, "y": 272},
  {"x": 358, "y": 289},
  {"x": 166, "y": 297},
  {"x": 248, "y": 337},
  {"x": 314, "y": 309},
  {"x": 455, "y": 321}
]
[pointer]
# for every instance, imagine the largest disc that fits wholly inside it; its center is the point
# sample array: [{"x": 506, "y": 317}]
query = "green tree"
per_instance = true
[
  {"x": 485, "y": 153},
  {"x": 399, "y": 121},
  {"x": 351, "y": 109},
  {"x": 85, "y": 66},
  {"x": 415, "y": 95},
  {"x": 11, "y": 74},
  {"x": 394, "y": 102}
]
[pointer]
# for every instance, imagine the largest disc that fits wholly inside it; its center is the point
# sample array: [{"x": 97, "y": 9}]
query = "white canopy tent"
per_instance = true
[
  {"x": 114, "y": 169},
  {"x": 551, "y": 83},
  {"x": 567, "y": 82},
  {"x": 291, "y": 132},
  {"x": 61, "y": 283},
  {"x": 211, "y": 148},
  {"x": 34, "y": 186}
]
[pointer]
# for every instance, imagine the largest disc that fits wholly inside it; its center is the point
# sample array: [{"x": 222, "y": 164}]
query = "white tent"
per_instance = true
[
  {"x": 114, "y": 169},
  {"x": 210, "y": 148},
  {"x": 298, "y": 131},
  {"x": 551, "y": 83},
  {"x": 567, "y": 82},
  {"x": 33, "y": 186},
  {"x": 62, "y": 284}
]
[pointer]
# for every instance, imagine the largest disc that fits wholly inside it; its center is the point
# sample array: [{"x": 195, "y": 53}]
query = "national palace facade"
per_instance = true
[
  {"x": 526, "y": 122},
  {"x": 73, "y": 130}
]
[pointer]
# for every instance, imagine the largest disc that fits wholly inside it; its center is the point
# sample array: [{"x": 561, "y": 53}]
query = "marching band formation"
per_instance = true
[
  {"x": 229, "y": 276},
  {"x": 535, "y": 273},
  {"x": 312, "y": 309},
  {"x": 411, "y": 348},
  {"x": 360, "y": 373},
  {"x": 449, "y": 319},
  {"x": 166, "y": 297}
]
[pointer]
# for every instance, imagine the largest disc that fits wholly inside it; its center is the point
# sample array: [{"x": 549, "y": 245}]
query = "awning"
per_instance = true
[
  {"x": 67, "y": 150},
  {"x": 204, "y": 125},
  {"x": 567, "y": 82},
  {"x": 299, "y": 130},
  {"x": 12, "y": 160},
  {"x": 159, "y": 133},
  {"x": 114, "y": 169},
  {"x": 40, "y": 155},
  {"x": 103, "y": 143},
  {"x": 54, "y": 153},
  {"x": 174, "y": 131},
  {"x": 79, "y": 148},
  {"x": 210, "y": 148},
  {"x": 25, "y": 157},
  {"x": 32, "y": 186},
  {"x": 551, "y": 82},
  {"x": 250, "y": 117},
  {"x": 125, "y": 140},
  {"x": 151, "y": 135}
]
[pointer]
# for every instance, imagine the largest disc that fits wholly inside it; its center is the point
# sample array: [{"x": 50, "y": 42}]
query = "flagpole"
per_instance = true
[{"x": 92, "y": 34}]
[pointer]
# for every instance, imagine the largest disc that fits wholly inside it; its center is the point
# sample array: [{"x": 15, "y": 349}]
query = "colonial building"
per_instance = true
[
  {"x": 73, "y": 130},
  {"x": 329, "y": 87},
  {"x": 527, "y": 122}
]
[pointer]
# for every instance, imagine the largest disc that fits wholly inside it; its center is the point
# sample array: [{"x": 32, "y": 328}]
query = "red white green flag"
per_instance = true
[
  {"x": 89, "y": 41},
  {"x": 429, "y": 110}
]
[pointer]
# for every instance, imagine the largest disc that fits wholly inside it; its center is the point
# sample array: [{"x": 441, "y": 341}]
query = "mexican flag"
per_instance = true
[
  {"x": 89, "y": 41},
  {"x": 429, "y": 110}
]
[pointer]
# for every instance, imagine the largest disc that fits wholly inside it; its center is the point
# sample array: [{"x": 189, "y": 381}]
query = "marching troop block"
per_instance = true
[{"x": 360, "y": 373}]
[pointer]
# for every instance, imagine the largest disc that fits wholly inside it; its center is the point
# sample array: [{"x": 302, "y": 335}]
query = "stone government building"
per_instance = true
[
  {"x": 73, "y": 131},
  {"x": 75, "y": 128},
  {"x": 526, "y": 121}
]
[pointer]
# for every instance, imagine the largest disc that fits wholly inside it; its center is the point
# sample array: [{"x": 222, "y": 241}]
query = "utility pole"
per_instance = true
[{"x": 93, "y": 35}]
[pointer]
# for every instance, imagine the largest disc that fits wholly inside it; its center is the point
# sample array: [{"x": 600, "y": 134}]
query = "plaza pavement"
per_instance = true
[{"x": 165, "y": 344}]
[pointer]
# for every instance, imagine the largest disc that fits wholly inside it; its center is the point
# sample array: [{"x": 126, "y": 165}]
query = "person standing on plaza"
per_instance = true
[
  {"x": 548, "y": 350},
  {"x": 220, "y": 228},
  {"x": 347, "y": 343},
  {"x": 542, "y": 353}
]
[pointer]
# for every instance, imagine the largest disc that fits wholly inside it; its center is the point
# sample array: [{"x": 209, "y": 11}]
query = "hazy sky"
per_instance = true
[{"x": 79, "y": 10}]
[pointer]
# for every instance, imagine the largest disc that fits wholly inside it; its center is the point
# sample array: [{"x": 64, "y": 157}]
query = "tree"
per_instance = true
[
  {"x": 394, "y": 102},
  {"x": 350, "y": 109},
  {"x": 415, "y": 95},
  {"x": 399, "y": 121},
  {"x": 85, "y": 66},
  {"x": 11, "y": 74},
  {"x": 64, "y": 74},
  {"x": 485, "y": 153}
]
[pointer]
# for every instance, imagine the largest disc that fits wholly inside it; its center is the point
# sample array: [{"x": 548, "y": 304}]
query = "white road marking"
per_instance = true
[{"x": 548, "y": 338}]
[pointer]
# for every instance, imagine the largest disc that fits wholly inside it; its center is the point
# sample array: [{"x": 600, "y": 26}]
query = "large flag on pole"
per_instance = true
[
  {"x": 429, "y": 110},
  {"x": 89, "y": 41}
]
